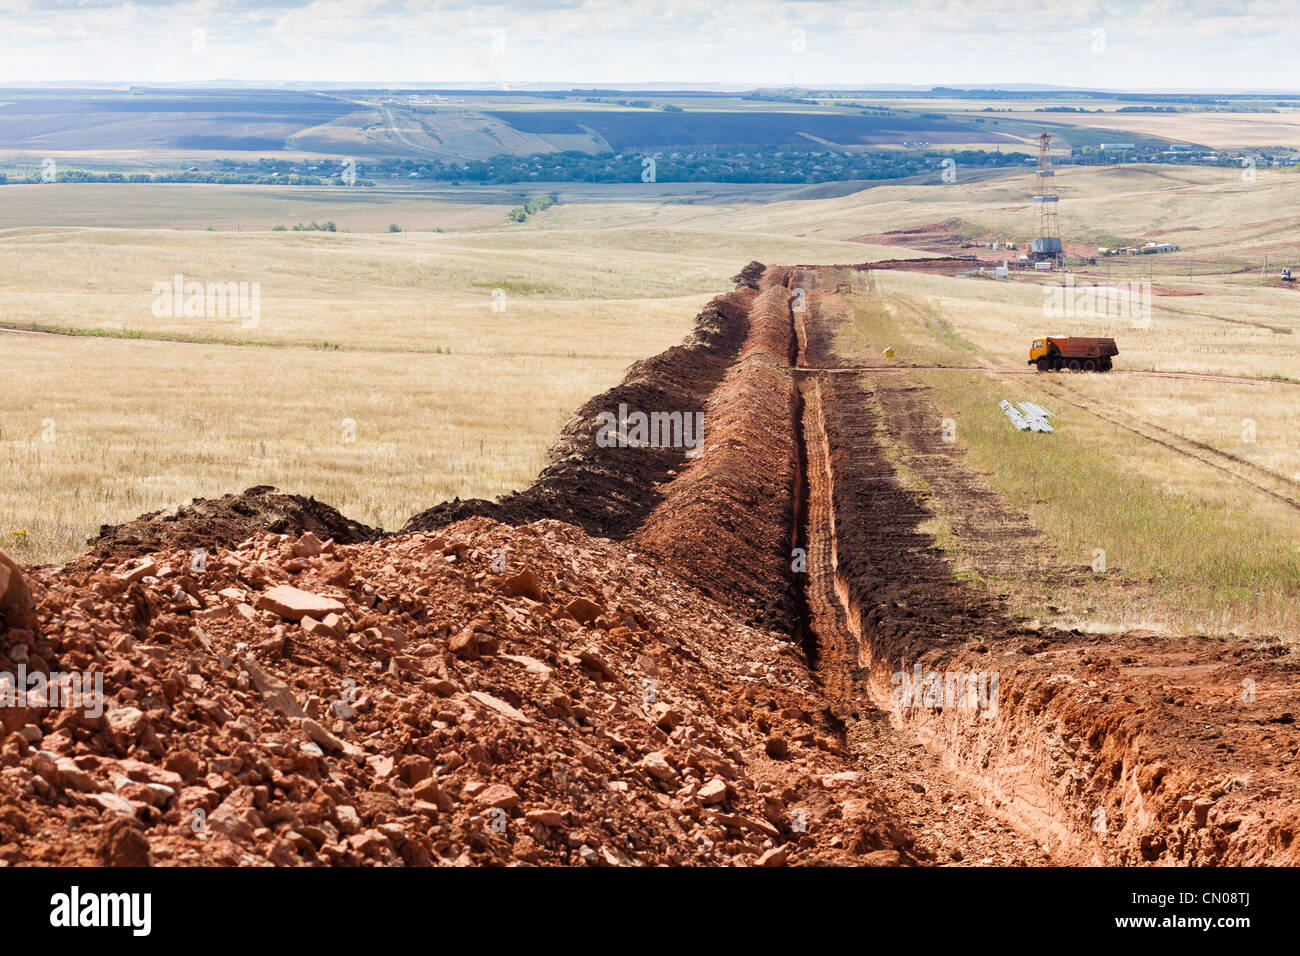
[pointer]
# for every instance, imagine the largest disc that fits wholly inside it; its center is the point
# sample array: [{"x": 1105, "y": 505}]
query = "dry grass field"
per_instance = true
[
  {"x": 1207, "y": 211},
  {"x": 1216, "y": 130},
  {"x": 144, "y": 425},
  {"x": 451, "y": 386},
  {"x": 397, "y": 335},
  {"x": 191, "y": 206},
  {"x": 1243, "y": 129}
]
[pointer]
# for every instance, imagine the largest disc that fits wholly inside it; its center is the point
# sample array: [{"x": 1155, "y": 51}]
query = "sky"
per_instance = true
[{"x": 1126, "y": 44}]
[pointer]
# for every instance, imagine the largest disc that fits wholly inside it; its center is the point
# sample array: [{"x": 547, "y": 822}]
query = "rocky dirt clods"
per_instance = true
[{"x": 400, "y": 702}]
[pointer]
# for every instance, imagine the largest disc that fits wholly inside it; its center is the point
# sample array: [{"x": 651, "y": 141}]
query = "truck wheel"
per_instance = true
[
  {"x": 1044, "y": 365},
  {"x": 1074, "y": 365},
  {"x": 1089, "y": 366}
]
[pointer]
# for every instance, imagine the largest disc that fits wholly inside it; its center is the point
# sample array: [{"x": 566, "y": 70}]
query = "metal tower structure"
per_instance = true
[{"x": 1047, "y": 245}]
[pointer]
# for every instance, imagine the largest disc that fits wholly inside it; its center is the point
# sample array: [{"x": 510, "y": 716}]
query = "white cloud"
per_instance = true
[{"x": 1149, "y": 43}]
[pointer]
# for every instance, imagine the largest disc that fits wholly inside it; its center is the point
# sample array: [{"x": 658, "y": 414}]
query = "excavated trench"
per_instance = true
[
  {"x": 948, "y": 816},
  {"x": 827, "y": 634},
  {"x": 1092, "y": 764},
  {"x": 804, "y": 631},
  {"x": 831, "y": 619},
  {"x": 792, "y": 514}
]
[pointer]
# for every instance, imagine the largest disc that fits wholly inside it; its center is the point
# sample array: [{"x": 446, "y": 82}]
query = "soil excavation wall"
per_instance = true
[
  {"x": 724, "y": 523},
  {"x": 1084, "y": 741}
]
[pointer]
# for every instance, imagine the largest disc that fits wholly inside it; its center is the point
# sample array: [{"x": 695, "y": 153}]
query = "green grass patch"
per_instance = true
[
  {"x": 1080, "y": 493},
  {"x": 916, "y": 331}
]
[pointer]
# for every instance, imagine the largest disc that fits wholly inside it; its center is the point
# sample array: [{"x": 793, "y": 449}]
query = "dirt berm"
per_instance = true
[
  {"x": 724, "y": 523},
  {"x": 211, "y": 523},
  {"x": 609, "y": 491}
]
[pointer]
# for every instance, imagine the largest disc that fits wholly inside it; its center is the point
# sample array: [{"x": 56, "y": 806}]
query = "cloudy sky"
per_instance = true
[{"x": 1137, "y": 44}]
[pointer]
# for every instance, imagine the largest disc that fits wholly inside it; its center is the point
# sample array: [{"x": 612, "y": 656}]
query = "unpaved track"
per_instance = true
[
  {"x": 1276, "y": 486},
  {"x": 393, "y": 128},
  {"x": 1034, "y": 373},
  {"x": 998, "y": 538}
]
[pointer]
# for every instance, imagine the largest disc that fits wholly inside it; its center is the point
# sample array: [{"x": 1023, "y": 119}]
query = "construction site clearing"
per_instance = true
[{"x": 751, "y": 656}]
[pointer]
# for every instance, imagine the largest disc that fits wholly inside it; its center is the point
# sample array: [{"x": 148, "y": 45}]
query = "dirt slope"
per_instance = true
[
  {"x": 724, "y": 524},
  {"x": 210, "y": 523}
]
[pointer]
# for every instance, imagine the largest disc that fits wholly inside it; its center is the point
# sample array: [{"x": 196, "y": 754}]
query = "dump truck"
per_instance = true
[{"x": 1056, "y": 353}]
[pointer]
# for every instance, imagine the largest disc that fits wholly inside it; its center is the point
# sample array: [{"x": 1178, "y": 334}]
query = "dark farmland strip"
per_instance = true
[{"x": 628, "y": 128}]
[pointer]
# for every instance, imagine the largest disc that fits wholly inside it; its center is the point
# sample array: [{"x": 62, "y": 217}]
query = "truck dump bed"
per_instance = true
[{"x": 1079, "y": 347}]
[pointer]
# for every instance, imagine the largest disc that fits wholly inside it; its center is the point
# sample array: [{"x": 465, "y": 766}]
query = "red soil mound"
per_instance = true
[
  {"x": 577, "y": 707},
  {"x": 219, "y": 523},
  {"x": 724, "y": 523}
]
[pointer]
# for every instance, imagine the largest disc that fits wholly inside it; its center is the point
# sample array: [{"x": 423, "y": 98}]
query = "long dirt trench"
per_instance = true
[
  {"x": 947, "y": 818},
  {"x": 1101, "y": 748},
  {"x": 1160, "y": 759}
]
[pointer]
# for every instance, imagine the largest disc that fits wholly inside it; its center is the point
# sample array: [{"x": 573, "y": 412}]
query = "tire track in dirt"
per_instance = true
[
  {"x": 927, "y": 322},
  {"x": 997, "y": 537},
  {"x": 1200, "y": 445},
  {"x": 1208, "y": 377},
  {"x": 988, "y": 366},
  {"x": 1198, "y": 451}
]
